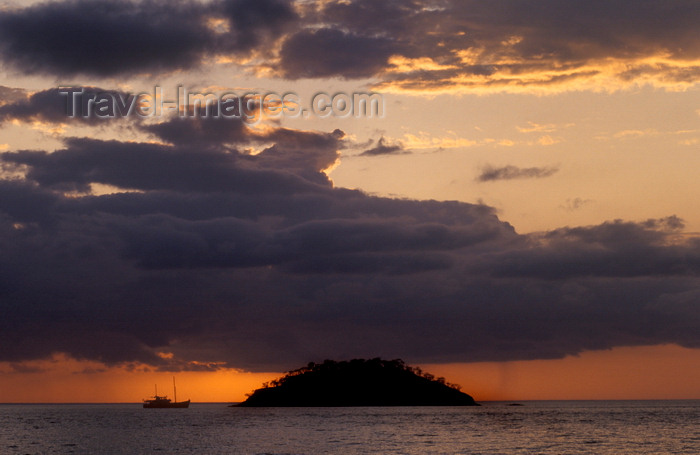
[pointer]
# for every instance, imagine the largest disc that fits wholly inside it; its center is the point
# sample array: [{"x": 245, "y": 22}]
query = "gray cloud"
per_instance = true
[
  {"x": 622, "y": 249},
  {"x": 148, "y": 166},
  {"x": 491, "y": 173},
  {"x": 384, "y": 148},
  {"x": 347, "y": 55},
  {"x": 57, "y": 105},
  {"x": 259, "y": 262},
  {"x": 254, "y": 23},
  {"x": 109, "y": 38},
  {"x": 574, "y": 204},
  {"x": 134, "y": 37},
  {"x": 550, "y": 42},
  {"x": 11, "y": 94},
  {"x": 502, "y": 45}
]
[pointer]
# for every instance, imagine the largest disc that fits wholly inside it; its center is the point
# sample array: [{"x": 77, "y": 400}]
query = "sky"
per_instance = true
[{"x": 519, "y": 214}]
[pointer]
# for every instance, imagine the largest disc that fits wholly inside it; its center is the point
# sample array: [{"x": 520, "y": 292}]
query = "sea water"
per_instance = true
[{"x": 581, "y": 427}]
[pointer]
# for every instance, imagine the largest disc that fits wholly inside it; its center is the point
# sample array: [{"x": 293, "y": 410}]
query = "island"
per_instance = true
[{"x": 358, "y": 382}]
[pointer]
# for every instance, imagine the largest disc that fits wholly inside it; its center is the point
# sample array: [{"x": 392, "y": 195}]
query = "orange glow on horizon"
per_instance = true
[
  {"x": 64, "y": 380},
  {"x": 651, "y": 372},
  {"x": 623, "y": 373}
]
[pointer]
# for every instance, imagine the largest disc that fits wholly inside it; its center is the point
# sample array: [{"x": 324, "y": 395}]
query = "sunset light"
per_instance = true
[{"x": 349, "y": 203}]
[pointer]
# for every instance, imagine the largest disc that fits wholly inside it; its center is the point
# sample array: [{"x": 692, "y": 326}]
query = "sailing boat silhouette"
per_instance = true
[{"x": 163, "y": 401}]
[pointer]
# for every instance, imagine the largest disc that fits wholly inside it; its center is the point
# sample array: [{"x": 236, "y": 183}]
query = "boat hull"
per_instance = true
[{"x": 181, "y": 404}]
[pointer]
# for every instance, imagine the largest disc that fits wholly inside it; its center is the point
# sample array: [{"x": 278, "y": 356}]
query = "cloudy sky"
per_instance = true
[{"x": 526, "y": 202}]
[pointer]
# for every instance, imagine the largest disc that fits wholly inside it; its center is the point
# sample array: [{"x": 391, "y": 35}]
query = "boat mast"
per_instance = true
[{"x": 174, "y": 391}]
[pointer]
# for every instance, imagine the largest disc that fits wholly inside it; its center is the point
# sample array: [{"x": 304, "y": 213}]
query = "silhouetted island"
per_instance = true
[{"x": 359, "y": 382}]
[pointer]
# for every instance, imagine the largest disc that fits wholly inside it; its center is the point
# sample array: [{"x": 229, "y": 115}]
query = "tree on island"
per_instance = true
[{"x": 359, "y": 382}]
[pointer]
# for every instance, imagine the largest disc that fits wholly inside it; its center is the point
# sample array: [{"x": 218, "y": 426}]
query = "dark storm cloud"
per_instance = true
[
  {"x": 258, "y": 261},
  {"x": 304, "y": 152},
  {"x": 622, "y": 249},
  {"x": 57, "y": 105},
  {"x": 253, "y": 22},
  {"x": 148, "y": 166},
  {"x": 347, "y": 55},
  {"x": 47, "y": 105},
  {"x": 435, "y": 44},
  {"x": 103, "y": 38},
  {"x": 115, "y": 37},
  {"x": 26, "y": 202},
  {"x": 490, "y": 173},
  {"x": 202, "y": 131},
  {"x": 232, "y": 245},
  {"x": 509, "y": 44}
]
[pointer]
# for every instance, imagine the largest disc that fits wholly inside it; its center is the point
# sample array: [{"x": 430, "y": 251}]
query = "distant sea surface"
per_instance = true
[{"x": 553, "y": 427}]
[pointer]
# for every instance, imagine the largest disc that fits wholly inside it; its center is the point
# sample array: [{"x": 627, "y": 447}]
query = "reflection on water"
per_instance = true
[{"x": 604, "y": 427}]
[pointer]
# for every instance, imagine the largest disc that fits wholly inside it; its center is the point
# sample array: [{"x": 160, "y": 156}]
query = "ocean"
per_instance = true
[{"x": 543, "y": 427}]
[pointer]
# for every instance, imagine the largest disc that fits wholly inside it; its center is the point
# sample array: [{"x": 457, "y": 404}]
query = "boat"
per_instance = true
[{"x": 158, "y": 401}]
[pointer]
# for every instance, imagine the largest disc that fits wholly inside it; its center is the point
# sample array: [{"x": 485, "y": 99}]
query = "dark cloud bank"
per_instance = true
[
  {"x": 217, "y": 255},
  {"x": 491, "y": 173},
  {"x": 472, "y": 43},
  {"x": 258, "y": 261},
  {"x": 115, "y": 37}
]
